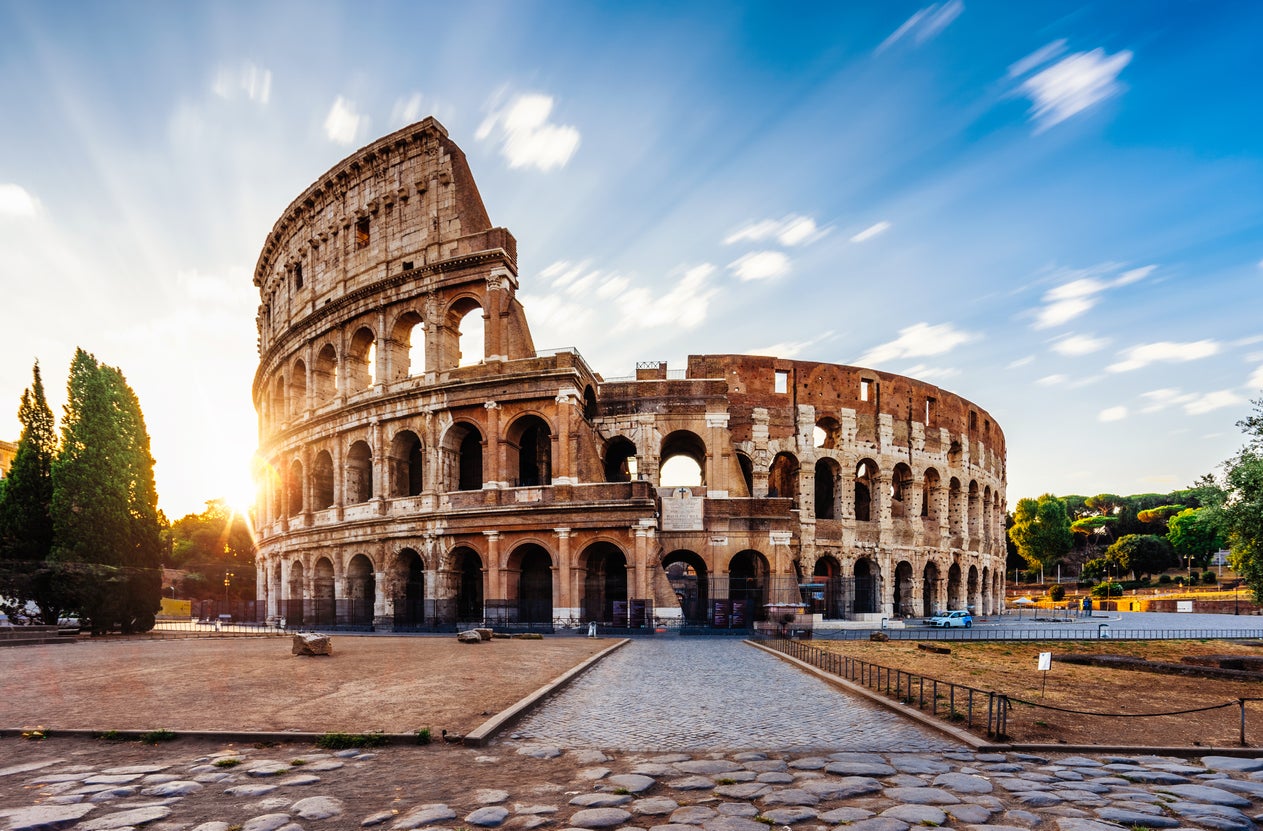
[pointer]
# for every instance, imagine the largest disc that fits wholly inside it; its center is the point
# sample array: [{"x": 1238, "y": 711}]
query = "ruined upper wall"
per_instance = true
[{"x": 407, "y": 201}]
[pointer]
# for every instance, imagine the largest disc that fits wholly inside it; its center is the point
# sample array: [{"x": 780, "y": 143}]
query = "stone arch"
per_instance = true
[
  {"x": 685, "y": 446},
  {"x": 827, "y": 573},
  {"x": 689, "y": 580},
  {"x": 987, "y": 513},
  {"x": 604, "y": 584},
  {"x": 973, "y": 597},
  {"x": 324, "y": 610},
  {"x": 359, "y": 473},
  {"x": 955, "y": 512},
  {"x": 467, "y": 332},
  {"x": 930, "y": 588},
  {"x": 930, "y": 487},
  {"x": 590, "y": 409},
  {"x": 530, "y": 569},
  {"x": 361, "y": 363},
  {"x": 955, "y": 593},
  {"x": 322, "y": 481},
  {"x": 406, "y": 464},
  {"x": 407, "y": 589},
  {"x": 867, "y": 476},
  {"x": 975, "y": 514},
  {"x": 294, "y": 602},
  {"x": 901, "y": 492},
  {"x": 905, "y": 603},
  {"x": 298, "y": 389},
  {"x": 294, "y": 486},
  {"x": 827, "y": 433},
  {"x": 620, "y": 459},
  {"x": 408, "y": 339},
  {"x": 782, "y": 477},
  {"x": 468, "y": 578},
  {"x": 361, "y": 591},
  {"x": 867, "y": 586},
  {"x": 748, "y": 573},
  {"x": 528, "y": 443},
  {"x": 324, "y": 375},
  {"x": 984, "y": 606},
  {"x": 828, "y": 472},
  {"x": 461, "y": 454},
  {"x": 746, "y": 464}
]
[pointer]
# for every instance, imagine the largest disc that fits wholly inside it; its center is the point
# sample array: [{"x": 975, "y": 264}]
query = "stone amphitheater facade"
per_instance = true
[{"x": 428, "y": 466}]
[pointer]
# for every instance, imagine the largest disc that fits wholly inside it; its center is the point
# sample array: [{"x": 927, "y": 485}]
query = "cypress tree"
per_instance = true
[{"x": 26, "y": 525}]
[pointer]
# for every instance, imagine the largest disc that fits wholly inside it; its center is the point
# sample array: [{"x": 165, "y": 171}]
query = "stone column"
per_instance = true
[
  {"x": 492, "y": 462},
  {"x": 717, "y": 455},
  {"x": 565, "y": 596},
  {"x": 562, "y": 470},
  {"x": 494, "y": 587}
]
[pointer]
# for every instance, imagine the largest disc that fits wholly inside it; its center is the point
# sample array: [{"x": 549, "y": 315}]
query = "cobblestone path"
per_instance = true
[{"x": 710, "y": 694}]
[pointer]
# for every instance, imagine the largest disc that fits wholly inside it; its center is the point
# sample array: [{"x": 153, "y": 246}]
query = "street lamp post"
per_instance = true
[{"x": 228, "y": 575}]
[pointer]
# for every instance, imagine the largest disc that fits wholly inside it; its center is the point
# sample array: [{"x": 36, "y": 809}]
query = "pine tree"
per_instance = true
[{"x": 26, "y": 525}]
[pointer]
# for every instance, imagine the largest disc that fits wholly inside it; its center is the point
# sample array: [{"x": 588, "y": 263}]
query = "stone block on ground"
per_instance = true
[
  {"x": 484, "y": 633},
  {"x": 469, "y": 636},
  {"x": 312, "y": 643}
]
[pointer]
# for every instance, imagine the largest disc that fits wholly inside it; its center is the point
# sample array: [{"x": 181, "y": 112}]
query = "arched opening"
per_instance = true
[
  {"x": 322, "y": 481},
  {"x": 589, "y": 403},
  {"x": 324, "y": 375},
  {"x": 605, "y": 585},
  {"x": 901, "y": 492},
  {"x": 955, "y": 453},
  {"x": 620, "y": 460},
  {"x": 471, "y": 337},
  {"x": 904, "y": 605},
  {"x": 955, "y": 514},
  {"x": 867, "y": 586},
  {"x": 467, "y": 568},
  {"x": 292, "y": 609},
  {"x": 531, "y": 441},
  {"x": 865, "y": 488},
  {"x": 409, "y": 352},
  {"x": 974, "y": 595},
  {"x": 747, "y": 472},
  {"x": 408, "y": 583},
  {"x": 955, "y": 599},
  {"x": 827, "y": 599},
  {"x": 975, "y": 514},
  {"x": 682, "y": 461},
  {"x": 534, "y": 583},
  {"x": 826, "y": 489},
  {"x": 686, "y": 573},
  {"x": 361, "y": 591},
  {"x": 930, "y": 488},
  {"x": 461, "y": 455},
  {"x": 407, "y": 465},
  {"x": 362, "y": 361},
  {"x": 294, "y": 487},
  {"x": 984, "y": 606},
  {"x": 747, "y": 588},
  {"x": 929, "y": 590},
  {"x": 782, "y": 477},
  {"x": 826, "y": 433},
  {"x": 298, "y": 389},
  {"x": 987, "y": 513},
  {"x": 359, "y": 473},
  {"x": 324, "y": 610}
]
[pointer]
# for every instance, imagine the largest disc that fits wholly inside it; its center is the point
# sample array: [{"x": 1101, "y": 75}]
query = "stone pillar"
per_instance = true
[
  {"x": 382, "y": 355},
  {"x": 645, "y": 536},
  {"x": 759, "y": 453},
  {"x": 563, "y": 472},
  {"x": 493, "y": 588},
  {"x": 495, "y": 347},
  {"x": 565, "y": 594},
  {"x": 718, "y": 460},
  {"x": 492, "y": 462}
]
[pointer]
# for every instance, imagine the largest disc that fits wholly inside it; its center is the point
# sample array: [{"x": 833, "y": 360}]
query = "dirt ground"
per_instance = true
[
  {"x": 1011, "y": 668},
  {"x": 389, "y": 684}
]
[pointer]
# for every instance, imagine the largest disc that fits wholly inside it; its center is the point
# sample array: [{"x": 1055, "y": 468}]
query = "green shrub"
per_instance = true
[
  {"x": 1209, "y": 578},
  {"x": 345, "y": 741},
  {"x": 157, "y": 736},
  {"x": 1164, "y": 580},
  {"x": 1107, "y": 590},
  {"x": 423, "y": 736},
  {"x": 1057, "y": 593},
  {"x": 1192, "y": 579}
]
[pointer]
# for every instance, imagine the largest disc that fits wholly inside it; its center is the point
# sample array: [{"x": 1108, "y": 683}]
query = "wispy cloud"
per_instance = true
[
  {"x": 925, "y": 372},
  {"x": 527, "y": 137},
  {"x": 1076, "y": 345},
  {"x": 925, "y": 25},
  {"x": 17, "y": 201},
  {"x": 760, "y": 265},
  {"x": 406, "y": 110},
  {"x": 564, "y": 308},
  {"x": 916, "y": 341},
  {"x": 871, "y": 231},
  {"x": 1072, "y": 298},
  {"x": 1052, "y": 380},
  {"x": 1142, "y": 355},
  {"x": 1193, "y": 403},
  {"x": 1071, "y": 85},
  {"x": 790, "y": 231},
  {"x": 343, "y": 124},
  {"x": 1255, "y": 381},
  {"x": 788, "y": 349},
  {"x": 1026, "y": 360},
  {"x": 1113, "y": 414},
  {"x": 248, "y": 79}
]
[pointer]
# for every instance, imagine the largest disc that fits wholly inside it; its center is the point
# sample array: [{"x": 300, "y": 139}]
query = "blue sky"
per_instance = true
[{"x": 1055, "y": 210}]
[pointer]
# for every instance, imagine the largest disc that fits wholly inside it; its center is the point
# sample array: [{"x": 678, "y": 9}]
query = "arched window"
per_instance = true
[
  {"x": 471, "y": 334},
  {"x": 406, "y": 465},
  {"x": 322, "y": 481},
  {"x": 865, "y": 490},
  {"x": 409, "y": 346},
  {"x": 530, "y": 438},
  {"x": 747, "y": 472},
  {"x": 359, "y": 473},
  {"x": 826, "y": 489},
  {"x": 930, "y": 488},
  {"x": 298, "y": 389},
  {"x": 461, "y": 455},
  {"x": 620, "y": 460},
  {"x": 682, "y": 460},
  {"x": 782, "y": 477},
  {"x": 362, "y": 361},
  {"x": 294, "y": 486},
  {"x": 825, "y": 435},
  {"x": 901, "y": 491},
  {"x": 325, "y": 375},
  {"x": 589, "y": 403}
]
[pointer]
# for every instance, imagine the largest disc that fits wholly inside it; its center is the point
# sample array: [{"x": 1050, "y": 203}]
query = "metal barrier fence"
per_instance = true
[
  {"x": 1089, "y": 632},
  {"x": 974, "y": 709}
]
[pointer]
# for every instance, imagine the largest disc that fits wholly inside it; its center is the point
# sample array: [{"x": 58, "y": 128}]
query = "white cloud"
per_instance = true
[
  {"x": 1137, "y": 357},
  {"x": 686, "y": 305},
  {"x": 406, "y": 110},
  {"x": 1073, "y": 84},
  {"x": 1052, "y": 380},
  {"x": 527, "y": 138},
  {"x": 1062, "y": 311},
  {"x": 1161, "y": 399},
  {"x": 1021, "y": 362},
  {"x": 917, "y": 340},
  {"x": 1113, "y": 414},
  {"x": 925, "y": 24},
  {"x": 1077, "y": 345},
  {"x": 871, "y": 231},
  {"x": 1134, "y": 275},
  {"x": 343, "y": 123},
  {"x": 760, "y": 265},
  {"x": 1256, "y": 379},
  {"x": 1040, "y": 56},
  {"x": 925, "y": 372},
  {"x": 1216, "y": 400},
  {"x": 250, "y": 79},
  {"x": 790, "y": 231},
  {"x": 16, "y": 200},
  {"x": 1071, "y": 299},
  {"x": 788, "y": 349}
]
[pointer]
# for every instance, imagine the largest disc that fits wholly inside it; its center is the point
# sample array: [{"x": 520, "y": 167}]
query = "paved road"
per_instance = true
[{"x": 715, "y": 694}]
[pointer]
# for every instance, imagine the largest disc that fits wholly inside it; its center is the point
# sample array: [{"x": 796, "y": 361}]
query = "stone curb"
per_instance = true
[{"x": 481, "y": 734}]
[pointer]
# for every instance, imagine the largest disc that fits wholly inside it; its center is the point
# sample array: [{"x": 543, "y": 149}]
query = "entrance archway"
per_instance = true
[
  {"x": 408, "y": 578},
  {"x": 904, "y": 606},
  {"x": 867, "y": 586},
  {"x": 466, "y": 604},
  {"x": 361, "y": 590},
  {"x": 323, "y": 598},
  {"x": 604, "y": 584},
  {"x": 535, "y": 583},
  {"x": 828, "y": 574},
  {"x": 929, "y": 589},
  {"x": 747, "y": 587},
  {"x": 686, "y": 572}
]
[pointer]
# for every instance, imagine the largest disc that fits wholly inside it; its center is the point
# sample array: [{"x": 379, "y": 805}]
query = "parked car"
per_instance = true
[{"x": 959, "y": 617}]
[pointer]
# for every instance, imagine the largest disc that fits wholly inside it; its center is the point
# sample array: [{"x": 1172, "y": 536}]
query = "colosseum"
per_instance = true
[{"x": 429, "y": 467}]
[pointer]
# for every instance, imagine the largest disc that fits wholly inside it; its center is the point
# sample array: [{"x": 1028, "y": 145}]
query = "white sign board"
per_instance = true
[
  {"x": 1183, "y": 605},
  {"x": 681, "y": 511},
  {"x": 1045, "y": 661}
]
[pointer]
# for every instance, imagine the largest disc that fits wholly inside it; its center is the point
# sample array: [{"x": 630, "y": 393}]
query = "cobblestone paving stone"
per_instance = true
[
  {"x": 46, "y": 786},
  {"x": 709, "y": 694}
]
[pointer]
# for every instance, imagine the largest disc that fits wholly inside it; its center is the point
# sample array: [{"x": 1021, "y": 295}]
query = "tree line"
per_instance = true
[{"x": 1149, "y": 533}]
